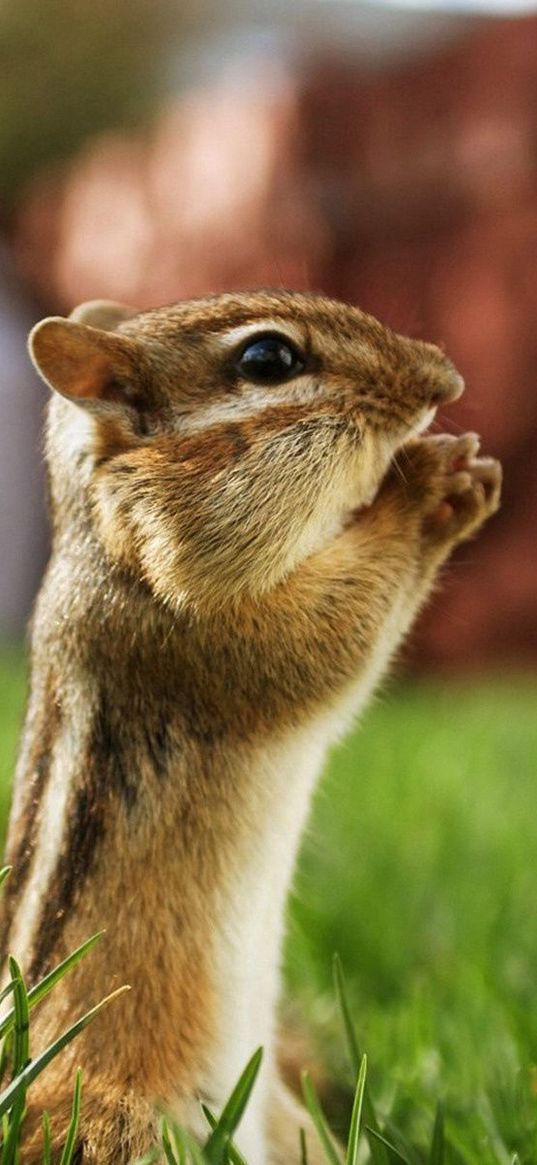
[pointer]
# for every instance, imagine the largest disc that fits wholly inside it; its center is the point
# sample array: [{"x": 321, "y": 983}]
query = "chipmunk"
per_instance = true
[{"x": 246, "y": 518}]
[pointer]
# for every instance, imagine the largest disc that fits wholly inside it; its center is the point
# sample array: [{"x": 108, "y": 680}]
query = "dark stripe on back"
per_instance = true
[
  {"x": 85, "y": 829},
  {"x": 105, "y": 778},
  {"x": 111, "y": 739}
]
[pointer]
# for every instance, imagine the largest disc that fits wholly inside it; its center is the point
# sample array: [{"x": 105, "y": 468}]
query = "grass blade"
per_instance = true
[
  {"x": 209, "y": 1115},
  {"x": 149, "y": 1158},
  {"x": 35, "y": 1067},
  {"x": 12, "y": 1138},
  {"x": 234, "y": 1156},
  {"x": 187, "y": 1148},
  {"x": 395, "y": 1157},
  {"x": 4, "y": 873},
  {"x": 436, "y": 1155},
  {"x": 5, "y": 1055},
  {"x": 70, "y": 1140},
  {"x": 47, "y": 1143},
  {"x": 20, "y": 1055},
  {"x": 21, "y": 1014},
  {"x": 348, "y": 1025},
  {"x": 317, "y": 1115},
  {"x": 217, "y": 1146},
  {"x": 7, "y": 989},
  {"x": 37, "y": 993},
  {"x": 376, "y": 1146},
  {"x": 303, "y": 1149},
  {"x": 167, "y": 1145},
  {"x": 196, "y": 1155},
  {"x": 356, "y": 1117},
  {"x": 19, "y": 1059}
]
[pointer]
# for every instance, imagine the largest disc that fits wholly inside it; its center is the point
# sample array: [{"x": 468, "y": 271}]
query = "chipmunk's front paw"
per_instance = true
[{"x": 455, "y": 489}]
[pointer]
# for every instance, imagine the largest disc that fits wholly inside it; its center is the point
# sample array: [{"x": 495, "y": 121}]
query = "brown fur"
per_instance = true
[{"x": 212, "y": 597}]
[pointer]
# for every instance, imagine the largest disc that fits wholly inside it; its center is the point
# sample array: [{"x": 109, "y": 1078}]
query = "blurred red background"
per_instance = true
[{"x": 409, "y": 189}]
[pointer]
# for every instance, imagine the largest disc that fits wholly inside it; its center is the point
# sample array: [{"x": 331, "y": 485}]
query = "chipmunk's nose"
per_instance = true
[
  {"x": 443, "y": 383},
  {"x": 450, "y": 387}
]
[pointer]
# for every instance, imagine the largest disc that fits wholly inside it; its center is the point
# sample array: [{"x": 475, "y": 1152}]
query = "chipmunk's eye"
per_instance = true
[{"x": 269, "y": 360}]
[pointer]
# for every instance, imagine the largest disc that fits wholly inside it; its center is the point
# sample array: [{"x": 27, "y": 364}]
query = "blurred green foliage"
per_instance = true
[
  {"x": 68, "y": 70},
  {"x": 12, "y": 694},
  {"x": 419, "y": 869}
]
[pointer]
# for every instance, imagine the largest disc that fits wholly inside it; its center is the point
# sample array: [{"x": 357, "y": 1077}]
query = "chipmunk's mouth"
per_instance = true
[
  {"x": 422, "y": 424},
  {"x": 417, "y": 429}
]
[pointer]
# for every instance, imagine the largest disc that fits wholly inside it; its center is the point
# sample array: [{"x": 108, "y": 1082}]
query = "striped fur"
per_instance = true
[{"x": 233, "y": 566}]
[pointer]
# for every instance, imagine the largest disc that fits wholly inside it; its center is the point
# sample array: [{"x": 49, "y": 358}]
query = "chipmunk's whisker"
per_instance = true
[
  {"x": 398, "y": 468},
  {"x": 442, "y": 423}
]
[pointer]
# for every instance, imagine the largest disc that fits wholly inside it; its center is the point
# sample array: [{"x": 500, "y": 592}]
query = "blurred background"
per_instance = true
[{"x": 385, "y": 154}]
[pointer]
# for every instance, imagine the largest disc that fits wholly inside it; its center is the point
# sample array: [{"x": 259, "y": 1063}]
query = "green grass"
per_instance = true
[
  {"x": 12, "y": 694},
  {"x": 420, "y": 869},
  {"x": 18, "y": 1069}
]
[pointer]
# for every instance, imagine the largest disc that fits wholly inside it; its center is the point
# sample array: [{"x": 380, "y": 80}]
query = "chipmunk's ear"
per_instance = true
[
  {"x": 86, "y": 364},
  {"x": 102, "y": 313}
]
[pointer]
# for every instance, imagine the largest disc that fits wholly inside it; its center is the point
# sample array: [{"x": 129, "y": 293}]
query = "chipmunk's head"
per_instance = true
[{"x": 220, "y": 441}]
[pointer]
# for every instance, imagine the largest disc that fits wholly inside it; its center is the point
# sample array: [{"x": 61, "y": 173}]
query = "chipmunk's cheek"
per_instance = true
[
  {"x": 110, "y": 515},
  {"x": 424, "y": 421}
]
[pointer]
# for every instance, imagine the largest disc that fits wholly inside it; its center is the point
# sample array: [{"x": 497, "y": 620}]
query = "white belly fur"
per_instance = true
[{"x": 251, "y": 914}]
